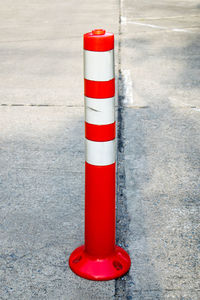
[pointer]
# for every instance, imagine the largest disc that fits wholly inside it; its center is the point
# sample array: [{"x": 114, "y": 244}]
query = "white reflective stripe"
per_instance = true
[
  {"x": 100, "y": 153},
  {"x": 100, "y": 111},
  {"x": 99, "y": 66}
]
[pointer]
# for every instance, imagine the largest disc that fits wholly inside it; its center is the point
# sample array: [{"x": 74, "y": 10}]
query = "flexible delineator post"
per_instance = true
[{"x": 99, "y": 258}]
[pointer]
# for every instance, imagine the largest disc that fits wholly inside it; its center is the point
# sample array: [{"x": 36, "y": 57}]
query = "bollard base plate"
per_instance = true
[{"x": 94, "y": 268}]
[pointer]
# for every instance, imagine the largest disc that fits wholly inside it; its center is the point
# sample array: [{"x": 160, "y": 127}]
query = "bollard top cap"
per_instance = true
[
  {"x": 98, "y": 31},
  {"x": 98, "y": 40}
]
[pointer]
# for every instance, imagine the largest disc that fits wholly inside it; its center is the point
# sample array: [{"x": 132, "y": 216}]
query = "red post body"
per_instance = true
[
  {"x": 99, "y": 89},
  {"x": 100, "y": 133},
  {"x": 99, "y": 209},
  {"x": 99, "y": 258}
]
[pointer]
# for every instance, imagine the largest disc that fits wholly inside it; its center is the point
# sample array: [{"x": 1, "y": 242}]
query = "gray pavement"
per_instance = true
[{"x": 42, "y": 147}]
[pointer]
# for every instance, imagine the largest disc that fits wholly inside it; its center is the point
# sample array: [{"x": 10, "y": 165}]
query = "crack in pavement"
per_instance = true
[{"x": 122, "y": 218}]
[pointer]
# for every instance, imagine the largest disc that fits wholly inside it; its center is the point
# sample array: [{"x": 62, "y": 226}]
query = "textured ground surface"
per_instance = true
[{"x": 42, "y": 147}]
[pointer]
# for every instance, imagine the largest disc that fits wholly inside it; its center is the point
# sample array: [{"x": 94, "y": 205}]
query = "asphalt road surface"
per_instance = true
[{"x": 42, "y": 147}]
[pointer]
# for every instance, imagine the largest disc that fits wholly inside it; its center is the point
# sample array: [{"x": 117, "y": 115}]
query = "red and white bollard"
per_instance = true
[{"x": 99, "y": 258}]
